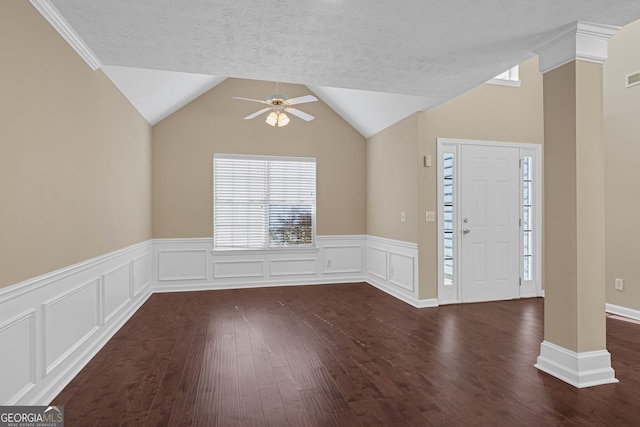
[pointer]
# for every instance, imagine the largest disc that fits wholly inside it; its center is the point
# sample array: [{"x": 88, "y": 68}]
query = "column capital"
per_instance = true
[{"x": 583, "y": 41}]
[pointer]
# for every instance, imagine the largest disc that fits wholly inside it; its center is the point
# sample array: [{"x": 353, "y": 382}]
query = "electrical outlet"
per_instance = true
[
  {"x": 429, "y": 216},
  {"x": 619, "y": 284},
  {"x": 328, "y": 263},
  {"x": 403, "y": 217}
]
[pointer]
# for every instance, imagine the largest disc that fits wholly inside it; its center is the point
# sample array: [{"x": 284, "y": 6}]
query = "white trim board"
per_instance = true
[
  {"x": 57, "y": 21},
  {"x": 623, "y": 311},
  {"x": 585, "y": 369}
]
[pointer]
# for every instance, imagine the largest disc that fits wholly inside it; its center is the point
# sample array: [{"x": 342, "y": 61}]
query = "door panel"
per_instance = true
[{"x": 490, "y": 211}]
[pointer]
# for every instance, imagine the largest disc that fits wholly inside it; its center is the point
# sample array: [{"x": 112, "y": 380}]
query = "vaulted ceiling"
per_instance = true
[{"x": 373, "y": 62}]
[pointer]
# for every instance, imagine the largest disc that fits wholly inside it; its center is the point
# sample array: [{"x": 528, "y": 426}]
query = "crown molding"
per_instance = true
[
  {"x": 57, "y": 21},
  {"x": 582, "y": 41}
]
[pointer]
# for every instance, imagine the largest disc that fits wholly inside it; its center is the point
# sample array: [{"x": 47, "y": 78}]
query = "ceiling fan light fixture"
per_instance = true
[
  {"x": 272, "y": 119},
  {"x": 277, "y": 104},
  {"x": 283, "y": 120}
]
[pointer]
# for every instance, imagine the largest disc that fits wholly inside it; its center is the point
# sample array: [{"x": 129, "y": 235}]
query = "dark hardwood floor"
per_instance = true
[{"x": 343, "y": 355}]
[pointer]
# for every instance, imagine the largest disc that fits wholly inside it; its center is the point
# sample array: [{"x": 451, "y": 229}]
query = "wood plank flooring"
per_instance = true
[{"x": 340, "y": 355}]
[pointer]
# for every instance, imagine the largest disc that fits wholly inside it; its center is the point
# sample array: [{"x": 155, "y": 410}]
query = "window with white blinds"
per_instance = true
[{"x": 262, "y": 202}]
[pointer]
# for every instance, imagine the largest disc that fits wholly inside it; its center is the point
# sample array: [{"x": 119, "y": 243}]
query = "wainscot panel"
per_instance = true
[
  {"x": 17, "y": 358},
  {"x": 68, "y": 321},
  {"x": 293, "y": 267},
  {"x": 392, "y": 266},
  {"x": 334, "y": 259},
  {"x": 116, "y": 289},
  {"x": 182, "y": 264},
  {"x": 141, "y": 273},
  {"x": 52, "y": 325},
  {"x": 377, "y": 262}
]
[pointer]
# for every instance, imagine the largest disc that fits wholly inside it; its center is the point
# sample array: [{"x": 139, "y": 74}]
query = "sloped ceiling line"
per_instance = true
[{"x": 372, "y": 65}]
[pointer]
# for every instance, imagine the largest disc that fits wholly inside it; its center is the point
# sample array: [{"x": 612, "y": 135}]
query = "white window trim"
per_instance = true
[{"x": 309, "y": 248}]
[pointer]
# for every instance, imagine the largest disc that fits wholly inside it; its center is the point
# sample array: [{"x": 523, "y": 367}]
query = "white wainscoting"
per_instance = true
[
  {"x": 52, "y": 325},
  {"x": 392, "y": 266},
  {"x": 192, "y": 264}
]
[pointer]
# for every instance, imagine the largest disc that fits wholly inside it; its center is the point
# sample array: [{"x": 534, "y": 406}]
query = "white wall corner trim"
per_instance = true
[
  {"x": 623, "y": 311},
  {"x": 585, "y": 369},
  {"x": 51, "y": 14},
  {"x": 55, "y": 323},
  {"x": 583, "y": 41}
]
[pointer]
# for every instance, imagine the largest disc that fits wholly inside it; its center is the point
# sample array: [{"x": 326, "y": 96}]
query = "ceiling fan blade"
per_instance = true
[
  {"x": 257, "y": 113},
  {"x": 301, "y": 114},
  {"x": 301, "y": 100},
  {"x": 254, "y": 100}
]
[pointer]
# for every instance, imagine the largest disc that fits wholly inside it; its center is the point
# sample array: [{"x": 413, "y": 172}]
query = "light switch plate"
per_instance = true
[{"x": 430, "y": 216}]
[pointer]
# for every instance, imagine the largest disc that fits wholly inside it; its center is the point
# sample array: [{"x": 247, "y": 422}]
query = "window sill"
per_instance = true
[
  {"x": 274, "y": 251},
  {"x": 504, "y": 82}
]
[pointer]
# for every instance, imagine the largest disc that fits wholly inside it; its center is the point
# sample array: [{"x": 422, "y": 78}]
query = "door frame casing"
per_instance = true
[{"x": 452, "y": 294}]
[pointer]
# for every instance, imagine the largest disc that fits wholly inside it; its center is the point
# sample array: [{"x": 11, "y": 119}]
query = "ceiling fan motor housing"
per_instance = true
[{"x": 277, "y": 98}]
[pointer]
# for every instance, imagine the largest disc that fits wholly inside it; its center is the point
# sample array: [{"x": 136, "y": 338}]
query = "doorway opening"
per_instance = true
[{"x": 489, "y": 220}]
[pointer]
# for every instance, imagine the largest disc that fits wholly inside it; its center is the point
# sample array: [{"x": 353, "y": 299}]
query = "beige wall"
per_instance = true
[
  {"x": 184, "y": 144},
  {"x": 75, "y": 162},
  {"x": 397, "y": 179},
  {"x": 488, "y": 112},
  {"x": 560, "y": 273},
  {"x": 574, "y": 207},
  {"x": 622, "y": 174},
  {"x": 392, "y": 181}
]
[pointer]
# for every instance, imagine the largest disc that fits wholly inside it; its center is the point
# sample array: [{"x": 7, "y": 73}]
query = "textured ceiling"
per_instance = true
[{"x": 431, "y": 48}]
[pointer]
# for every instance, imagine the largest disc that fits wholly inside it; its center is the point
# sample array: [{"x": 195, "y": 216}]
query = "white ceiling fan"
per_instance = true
[{"x": 280, "y": 104}]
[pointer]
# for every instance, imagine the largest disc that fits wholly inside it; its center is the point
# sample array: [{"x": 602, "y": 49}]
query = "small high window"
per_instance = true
[{"x": 511, "y": 77}]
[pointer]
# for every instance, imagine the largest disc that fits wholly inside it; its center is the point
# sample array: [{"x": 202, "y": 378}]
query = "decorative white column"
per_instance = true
[{"x": 574, "y": 346}]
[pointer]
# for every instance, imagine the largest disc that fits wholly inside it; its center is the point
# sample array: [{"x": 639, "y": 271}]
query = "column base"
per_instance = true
[{"x": 586, "y": 369}]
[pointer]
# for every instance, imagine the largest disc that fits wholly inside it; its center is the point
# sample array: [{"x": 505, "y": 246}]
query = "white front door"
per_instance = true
[{"x": 489, "y": 223}]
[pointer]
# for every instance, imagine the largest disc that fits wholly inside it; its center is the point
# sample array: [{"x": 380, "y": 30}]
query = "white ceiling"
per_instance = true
[
  {"x": 156, "y": 93},
  {"x": 411, "y": 54}
]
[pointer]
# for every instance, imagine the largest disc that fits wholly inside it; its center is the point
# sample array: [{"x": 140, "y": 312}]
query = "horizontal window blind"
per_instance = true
[{"x": 262, "y": 202}]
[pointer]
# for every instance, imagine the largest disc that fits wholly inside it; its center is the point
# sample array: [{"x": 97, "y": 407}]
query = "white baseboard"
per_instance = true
[
  {"x": 208, "y": 286},
  {"x": 586, "y": 369},
  {"x": 417, "y": 303},
  {"x": 623, "y": 311}
]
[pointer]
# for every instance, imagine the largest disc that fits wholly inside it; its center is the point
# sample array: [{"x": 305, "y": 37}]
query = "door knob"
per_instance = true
[{"x": 465, "y": 231}]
